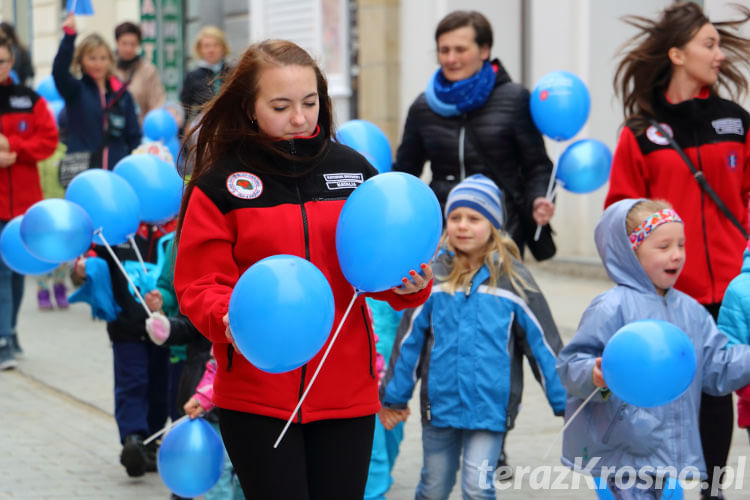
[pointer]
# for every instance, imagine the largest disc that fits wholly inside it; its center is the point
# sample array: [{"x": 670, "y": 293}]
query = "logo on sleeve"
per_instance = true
[
  {"x": 23, "y": 126},
  {"x": 728, "y": 126},
  {"x": 244, "y": 185},
  {"x": 655, "y": 136},
  {"x": 731, "y": 160},
  {"x": 343, "y": 181}
]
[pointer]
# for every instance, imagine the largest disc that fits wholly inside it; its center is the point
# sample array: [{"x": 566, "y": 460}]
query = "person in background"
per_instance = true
[
  {"x": 28, "y": 134},
  {"x": 669, "y": 78},
  {"x": 138, "y": 74},
  {"x": 22, "y": 65},
  {"x": 264, "y": 150},
  {"x": 100, "y": 112},
  {"x": 473, "y": 119},
  {"x": 201, "y": 84}
]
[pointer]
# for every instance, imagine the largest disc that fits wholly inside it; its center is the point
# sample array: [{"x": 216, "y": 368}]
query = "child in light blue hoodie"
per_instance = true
[{"x": 641, "y": 244}]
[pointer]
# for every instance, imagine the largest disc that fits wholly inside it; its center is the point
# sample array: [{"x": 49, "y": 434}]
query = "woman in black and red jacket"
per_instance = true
[
  {"x": 671, "y": 75},
  {"x": 27, "y": 135},
  {"x": 264, "y": 184}
]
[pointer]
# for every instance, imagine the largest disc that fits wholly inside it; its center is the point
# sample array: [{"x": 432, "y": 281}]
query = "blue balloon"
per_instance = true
[
  {"x": 281, "y": 312},
  {"x": 190, "y": 458},
  {"x": 16, "y": 256},
  {"x": 159, "y": 125},
  {"x": 174, "y": 147},
  {"x": 48, "y": 90},
  {"x": 56, "y": 230},
  {"x": 110, "y": 202},
  {"x": 367, "y": 139},
  {"x": 55, "y": 108},
  {"x": 584, "y": 166},
  {"x": 649, "y": 363},
  {"x": 388, "y": 226},
  {"x": 156, "y": 183},
  {"x": 14, "y": 76},
  {"x": 560, "y": 105},
  {"x": 80, "y": 7}
]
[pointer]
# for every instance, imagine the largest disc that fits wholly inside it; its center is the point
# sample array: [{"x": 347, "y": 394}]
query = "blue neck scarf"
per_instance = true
[{"x": 448, "y": 98}]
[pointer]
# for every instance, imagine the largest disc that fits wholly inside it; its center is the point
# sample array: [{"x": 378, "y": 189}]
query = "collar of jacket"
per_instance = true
[{"x": 686, "y": 110}]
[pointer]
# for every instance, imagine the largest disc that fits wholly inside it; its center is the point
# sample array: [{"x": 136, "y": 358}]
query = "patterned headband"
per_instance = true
[{"x": 652, "y": 222}]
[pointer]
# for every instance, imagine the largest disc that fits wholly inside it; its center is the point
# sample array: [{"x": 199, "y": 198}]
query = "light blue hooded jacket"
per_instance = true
[
  {"x": 463, "y": 348},
  {"x": 611, "y": 432}
]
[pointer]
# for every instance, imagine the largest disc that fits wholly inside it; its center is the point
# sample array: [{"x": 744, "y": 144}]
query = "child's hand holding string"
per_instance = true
[{"x": 597, "y": 374}]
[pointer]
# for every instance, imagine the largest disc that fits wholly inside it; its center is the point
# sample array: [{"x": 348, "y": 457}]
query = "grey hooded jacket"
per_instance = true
[{"x": 612, "y": 433}]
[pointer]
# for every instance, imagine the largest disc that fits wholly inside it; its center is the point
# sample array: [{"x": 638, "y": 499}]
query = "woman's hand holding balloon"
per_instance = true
[
  {"x": 228, "y": 332},
  {"x": 415, "y": 282},
  {"x": 597, "y": 373},
  {"x": 542, "y": 210},
  {"x": 69, "y": 24}
]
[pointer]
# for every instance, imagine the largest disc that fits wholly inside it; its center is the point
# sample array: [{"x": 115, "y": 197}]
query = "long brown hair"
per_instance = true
[
  {"x": 226, "y": 127},
  {"x": 646, "y": 67}
]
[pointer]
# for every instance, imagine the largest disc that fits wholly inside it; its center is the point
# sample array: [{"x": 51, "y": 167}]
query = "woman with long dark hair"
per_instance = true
[{"x": 263, "y": 154}]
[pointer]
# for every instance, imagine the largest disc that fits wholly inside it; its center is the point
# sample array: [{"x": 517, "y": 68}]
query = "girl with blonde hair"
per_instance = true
[{"x": 462, "y": 341}]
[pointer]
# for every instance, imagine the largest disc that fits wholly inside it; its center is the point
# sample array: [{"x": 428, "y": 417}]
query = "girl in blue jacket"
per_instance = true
[
  {"x": 641, "y": 243},
  {"x": 461, "y": 344}
]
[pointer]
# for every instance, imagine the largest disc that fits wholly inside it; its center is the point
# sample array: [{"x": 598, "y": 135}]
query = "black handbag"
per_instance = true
[
  {"x": 542, "y": 248},
  {"x": 702, "y": 182}
]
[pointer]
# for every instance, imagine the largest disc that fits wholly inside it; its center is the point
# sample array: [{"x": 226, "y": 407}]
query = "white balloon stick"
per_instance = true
[
  {"x": 124, "y": 273},
  {"x": 574, "y": 415},
  {"x": 317, "y": 370}
]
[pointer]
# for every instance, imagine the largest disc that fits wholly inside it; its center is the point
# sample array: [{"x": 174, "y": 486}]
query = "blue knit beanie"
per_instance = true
[{"x": 481, "y": 194}]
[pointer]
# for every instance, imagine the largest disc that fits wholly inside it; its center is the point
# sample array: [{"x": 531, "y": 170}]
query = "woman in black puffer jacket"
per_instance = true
[{"x": 473, "y": 119}]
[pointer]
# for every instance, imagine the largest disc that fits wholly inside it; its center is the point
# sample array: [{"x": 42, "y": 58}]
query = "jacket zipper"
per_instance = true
[
  {"x": 369, "y": 339},
  {"x": 461, "y": 152},
  {"x": 293, "y": 151},
  {"x": 618, "y": 416}
]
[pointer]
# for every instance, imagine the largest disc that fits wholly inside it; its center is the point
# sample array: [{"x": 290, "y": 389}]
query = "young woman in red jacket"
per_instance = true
[
  {"x": 262, "y": 185},
  {"x": 671, "y": 75}
]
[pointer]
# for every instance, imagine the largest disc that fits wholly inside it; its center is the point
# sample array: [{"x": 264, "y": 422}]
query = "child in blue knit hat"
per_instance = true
[{"x": 461, "y": 343}]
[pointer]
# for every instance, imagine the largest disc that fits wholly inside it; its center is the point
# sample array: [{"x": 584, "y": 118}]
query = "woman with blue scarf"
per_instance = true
[{"x": 472, "y": 119}]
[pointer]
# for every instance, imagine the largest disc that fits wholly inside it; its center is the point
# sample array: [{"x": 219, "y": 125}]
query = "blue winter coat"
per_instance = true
[
  {"x": 462, "y": 346},
  {"x": 85, "y": 115},
  {"x": 611, "y": 432},
  {"x": 734, "y": 315}
]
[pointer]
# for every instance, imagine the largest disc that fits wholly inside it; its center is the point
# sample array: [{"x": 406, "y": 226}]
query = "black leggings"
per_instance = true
[
  {"x": 716, "y": 422},
  {"x": 327, "y": 459}
]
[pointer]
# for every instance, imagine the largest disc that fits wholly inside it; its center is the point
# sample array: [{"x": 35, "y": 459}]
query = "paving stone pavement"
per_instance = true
[{"x": 58, "y": 438}]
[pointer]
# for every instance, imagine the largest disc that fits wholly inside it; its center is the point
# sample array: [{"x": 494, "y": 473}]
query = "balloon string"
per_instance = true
[
  {"x": 164, "y": 429},
  {"x": 124, "y": 273},
  {"x": 574, "y": 415},
  {"x": 317, "y": 370},
  {"x": 550, "y": 186},
  {"x": 137, "y": 253}
]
